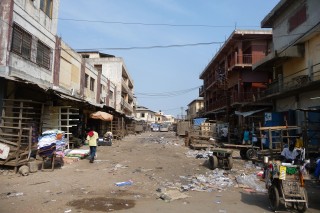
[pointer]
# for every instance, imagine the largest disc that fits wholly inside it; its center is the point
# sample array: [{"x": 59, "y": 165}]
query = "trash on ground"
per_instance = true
[
  {"x": 251, "y": 181},
  {"x": 125, "y": 183}
]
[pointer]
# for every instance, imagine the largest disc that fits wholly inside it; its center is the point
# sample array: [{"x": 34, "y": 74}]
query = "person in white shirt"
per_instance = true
[{"x": 289, "y": 154}]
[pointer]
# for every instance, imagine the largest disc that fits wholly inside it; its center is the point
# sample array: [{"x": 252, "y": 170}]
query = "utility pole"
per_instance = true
[{"x": 181, "y": 113}]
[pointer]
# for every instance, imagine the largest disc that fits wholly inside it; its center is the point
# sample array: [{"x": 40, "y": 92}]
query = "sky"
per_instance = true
[{"x": 165, "y": 44}]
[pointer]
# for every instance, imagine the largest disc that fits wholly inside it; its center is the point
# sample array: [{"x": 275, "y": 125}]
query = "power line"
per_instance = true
[
  {"x": 152, "y": 24},
  {"x": 166, "y": 94},
  {"x": 151, "y": 47}
]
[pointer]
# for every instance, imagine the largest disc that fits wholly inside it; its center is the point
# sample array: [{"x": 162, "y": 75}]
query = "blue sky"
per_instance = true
[{"x": 165, "y": 78}]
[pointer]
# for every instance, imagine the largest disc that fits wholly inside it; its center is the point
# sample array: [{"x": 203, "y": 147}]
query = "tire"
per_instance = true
[
  {"x": 302, "y": 207},
  {"x": 274, "y": 199},
  {"x": 250, "y": 154},
  {"x": 243, "y": 154},
  {"x": 213, "y": 162},
  {"x": 230, "y": 163}
]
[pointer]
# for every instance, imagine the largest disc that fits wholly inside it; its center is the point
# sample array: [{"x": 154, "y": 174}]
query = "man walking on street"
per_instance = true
[{"x": 92, "y": 140}]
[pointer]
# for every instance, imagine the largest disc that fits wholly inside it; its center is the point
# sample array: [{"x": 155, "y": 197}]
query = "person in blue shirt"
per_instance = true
[{"x": 246, "y": 136}]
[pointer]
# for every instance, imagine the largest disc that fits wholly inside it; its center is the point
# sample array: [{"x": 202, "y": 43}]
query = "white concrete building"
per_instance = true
[
  {"x": 115, "y": 69},
  {"x": 144, "y": 114}
]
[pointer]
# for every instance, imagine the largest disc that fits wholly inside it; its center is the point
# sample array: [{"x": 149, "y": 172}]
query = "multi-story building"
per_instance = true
[
  {"x": 195, "y": 108},
  {"x": 229, "y": 85},
  {"x": 27, "y": 42},
  {"x": 293, "y": 63},
  {"x": 44, "y": 84},
  {"x": 115, "y": 69},
  {"x": 145, "y": 114}
]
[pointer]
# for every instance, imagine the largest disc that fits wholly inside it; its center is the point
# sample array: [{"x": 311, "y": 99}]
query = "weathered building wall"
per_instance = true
[
  {"x": 70, "y": 69},
  {"x": 6, "y": 8},
  {"x": 34, "y": 22},
  {"x": 91, "y": 95},
  {"x": 114, "y": 69},
  {"x": 282, "y": 37}
]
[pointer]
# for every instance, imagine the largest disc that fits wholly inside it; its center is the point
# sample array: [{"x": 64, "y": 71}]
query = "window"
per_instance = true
[
  {"x": 298, "y": 18},
  {"x": 110, "y": 95},
  {"x": 46, "y": 7},
  {"x": 43, "y": 55},
  {"x": 142, "y": 115},
  {"x": 101, "y": 88},
  {"x": 92, "y": 84},
  {"x": 21, "y": 42},
  {"x": 86, "y": 80}
]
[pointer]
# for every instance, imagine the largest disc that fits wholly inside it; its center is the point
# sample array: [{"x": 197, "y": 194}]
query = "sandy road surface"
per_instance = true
[{"x": 159, "y": 166}]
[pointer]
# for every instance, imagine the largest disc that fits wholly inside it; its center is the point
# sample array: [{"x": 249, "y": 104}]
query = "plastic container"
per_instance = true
[{"x": 126, "y": 183}]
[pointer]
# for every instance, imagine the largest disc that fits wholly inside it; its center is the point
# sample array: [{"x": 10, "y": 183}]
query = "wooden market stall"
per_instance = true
[
  {"x": 19, "y": 128},
  {"x": 277, "y": 137}
]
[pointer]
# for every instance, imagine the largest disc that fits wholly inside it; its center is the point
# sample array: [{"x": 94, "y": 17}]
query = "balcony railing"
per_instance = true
[
  {"x": 126, "y": 105},
  {"x": 217, "y": 104},
  {"x": 292, "y": 82},
  {"x": 245, "y": 59},
  {"x": 245, "y": 97},
  {"x": 201, "y": 91}
]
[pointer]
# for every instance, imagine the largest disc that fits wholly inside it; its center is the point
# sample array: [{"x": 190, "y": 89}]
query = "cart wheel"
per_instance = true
[
  {"x": 243, "y": 154},
  {"x": 274, "y": 197},
  {"x": 302, "y": 207},
  {"x": 213, "y": 162},
  {"x": 230, "y": 163},
  {"x": 251, "y": 153}
]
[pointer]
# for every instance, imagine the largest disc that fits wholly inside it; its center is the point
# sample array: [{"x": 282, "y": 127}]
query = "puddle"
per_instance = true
[{"x": 102, "y": 204}]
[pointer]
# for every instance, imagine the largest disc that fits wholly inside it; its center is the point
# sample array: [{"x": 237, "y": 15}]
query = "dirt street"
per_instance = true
[{"x": 166, "y": 177}]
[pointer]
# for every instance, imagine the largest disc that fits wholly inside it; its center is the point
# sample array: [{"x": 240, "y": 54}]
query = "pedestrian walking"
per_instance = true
[{"x": 92, "y": 141}]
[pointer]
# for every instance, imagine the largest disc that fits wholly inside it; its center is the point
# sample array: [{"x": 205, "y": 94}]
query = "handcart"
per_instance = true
[
  {"x": 220, "y": 158},
  {"x": 285, "y": 182}
]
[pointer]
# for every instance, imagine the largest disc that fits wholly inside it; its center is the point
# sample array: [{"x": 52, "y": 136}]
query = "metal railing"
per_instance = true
[
  {"x": 291, "y": 82},
  {"x": 245, "y": 59},
  {"x": 245, "y": 97}
]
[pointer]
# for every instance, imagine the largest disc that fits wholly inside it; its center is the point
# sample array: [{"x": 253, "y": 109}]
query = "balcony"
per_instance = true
[
  {"x": 292, "y": 82},
  {"x": 126, "y": 89},
  {"x": 124, "y": 85},
  {"x": 217, "y": 104},
  {"x": 201, "y": 91},
  {"x": 244, "y": 97},
  {"x": 126, "y": 105},
  {"x": 244, "y": 60}
]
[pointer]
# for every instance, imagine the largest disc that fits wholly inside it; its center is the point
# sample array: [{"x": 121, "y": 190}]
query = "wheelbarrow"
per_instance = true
[{"x": 220, "y": 158}]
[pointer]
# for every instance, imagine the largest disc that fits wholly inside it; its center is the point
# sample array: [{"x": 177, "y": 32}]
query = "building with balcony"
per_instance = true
[
  {"x": 114, "y": 69},
  {"x": 293, "y": 63},
  {"x": 229, "y": 85}
]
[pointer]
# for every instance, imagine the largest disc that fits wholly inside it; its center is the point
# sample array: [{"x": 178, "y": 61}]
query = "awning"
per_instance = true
[
  {"x": 63, "y": 96},
  {"x": 102, "y": 116},
  {"x": 198, "y": 121},
  {"x": 245, "y": 114}
]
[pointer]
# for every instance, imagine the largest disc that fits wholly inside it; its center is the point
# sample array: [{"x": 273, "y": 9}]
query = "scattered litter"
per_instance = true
[
  {"x": 251, "y": 181},
  {"x": 214, "y": 180},
  {"x": 126, "y": 183},
  {"x": 172, "y": 195},
  {"x": 14, "y": 194},
  {"x": 120, "y": 166}
]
